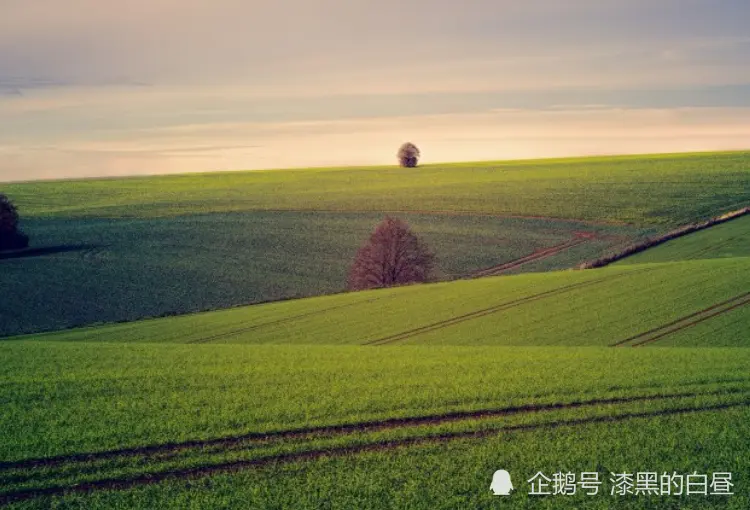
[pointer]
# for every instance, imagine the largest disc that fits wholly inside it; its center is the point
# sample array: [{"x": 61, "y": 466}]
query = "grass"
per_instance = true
[
  {"x": 131, "y": 407},
  {"x": 594, "y": 307},
  {"x": 458, "y": 474},
  {"x": 396, "y": 398},
  {"x": 107, "y": 270},
  {"x": 185, "y": 243},
  {"x": 132, "y": 395},
  {"x": 728, "y": 240},
  {"x": 69, "y": 398},
  {"x": 665, "y": 190}
]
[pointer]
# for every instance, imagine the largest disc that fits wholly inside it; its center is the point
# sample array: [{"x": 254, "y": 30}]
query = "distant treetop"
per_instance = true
[{"x": 408, "y": 155}]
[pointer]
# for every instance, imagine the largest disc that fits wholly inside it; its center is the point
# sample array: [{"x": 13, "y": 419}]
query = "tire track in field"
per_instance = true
[
  {"x": 479, "y": 313},
  {"x": 282, "y": 320},
  {"x": 340, "y": 451},
  {"x": 685, "y": 322},
  {"x": 345, "y": 429},
  {"x": 578, "y": 239},
  {"x": 715, "y": 246},
  {"x": 497, "y": 308},
  {"x": 292, "y": 318}
]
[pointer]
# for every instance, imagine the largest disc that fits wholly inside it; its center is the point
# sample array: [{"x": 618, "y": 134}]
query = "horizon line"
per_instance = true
[{"x": 384, "y": 167}]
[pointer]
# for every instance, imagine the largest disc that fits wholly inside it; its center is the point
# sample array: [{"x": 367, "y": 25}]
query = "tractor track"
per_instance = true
[
  {"x": 688, "y": 321},
  {"x": 479, "y": 313},
  {"x": 345, "y": 429},
  {"x": 341, "y": 451},
  {"x": 710, "y": 248},
  {"x": 496, "y": 308},
  {"x": 542, "y": 254},
  {"x": 282, "y": 320}
]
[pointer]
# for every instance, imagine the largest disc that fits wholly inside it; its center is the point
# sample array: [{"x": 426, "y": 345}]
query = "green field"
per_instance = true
[
  {"x": 727, "y": 240},
  {"x": 456, "y": 473},
  {"x": 114, "y": 250},
  {"x": 556, "y": 308},
  {"x": 163, "y": 401},
  {"x": 407, "y": 397},
  {"x": 218, "y": 408},
  {"x": 109, "y": 270},
  {"x": 667, "y": 189}
]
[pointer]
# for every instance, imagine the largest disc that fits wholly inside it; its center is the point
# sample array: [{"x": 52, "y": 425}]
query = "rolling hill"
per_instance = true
[
  {"x": 402, "y": 397},
  {"x": 114, "y": 250}
]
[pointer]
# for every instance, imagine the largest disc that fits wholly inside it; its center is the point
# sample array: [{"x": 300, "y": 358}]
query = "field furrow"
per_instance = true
[
  {"x": 276, "y": 322},
  {"x": 498, "y": 308},
  {"x": 351, "y": 428},
  {"x": 122, "y": 483},
  {"x": 685, "y": 322},
  {"x": 190, "y": 340},
  {"x": 537, "y": 255}
]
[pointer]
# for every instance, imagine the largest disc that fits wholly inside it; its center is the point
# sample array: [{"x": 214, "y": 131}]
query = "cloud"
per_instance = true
[
  {"x": 162, "y": 85},
  {"x": 357, "y": 46},
  {"x": 520, "y": 133}
]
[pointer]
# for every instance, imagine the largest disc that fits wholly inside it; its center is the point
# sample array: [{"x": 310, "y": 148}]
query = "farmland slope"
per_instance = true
[
  {"x": 85, "y": 418},
  {"x": 727, "y": 240},
  {"x": 114, "y": 250},
  {"x": 670, "y": 189},
  {"x": 619, "y": 305},
  {"x": 94, "y": 270}
]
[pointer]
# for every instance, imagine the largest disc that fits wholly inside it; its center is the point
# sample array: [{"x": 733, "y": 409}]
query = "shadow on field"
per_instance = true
[{"x": 47, "y": 250}]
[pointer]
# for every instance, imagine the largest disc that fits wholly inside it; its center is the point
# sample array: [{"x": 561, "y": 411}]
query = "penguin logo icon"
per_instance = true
[{"x": 501, "y": 484}]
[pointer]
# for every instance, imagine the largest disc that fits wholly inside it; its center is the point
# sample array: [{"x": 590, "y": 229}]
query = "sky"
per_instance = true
[{"x": 102, "y": 88}]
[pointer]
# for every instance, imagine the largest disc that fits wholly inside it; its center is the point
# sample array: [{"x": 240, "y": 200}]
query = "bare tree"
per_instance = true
[
  {"x": 11, "y": 238},
  {"x": 394, "y": 255},
  {"x": 408, "y": 155}
]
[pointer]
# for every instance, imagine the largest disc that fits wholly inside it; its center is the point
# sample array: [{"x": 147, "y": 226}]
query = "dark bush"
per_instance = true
[{"x": 11, "y": 238}]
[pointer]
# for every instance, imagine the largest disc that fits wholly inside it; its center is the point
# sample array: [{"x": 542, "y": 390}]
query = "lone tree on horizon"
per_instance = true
[
  {"x": 408, "y": 155},
  {"x": 11, "y": 238},
  {"x": 393, "y": 255}
]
